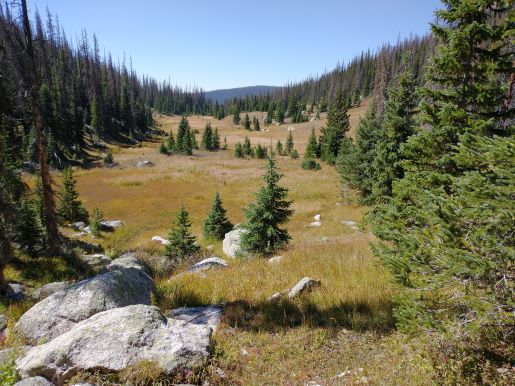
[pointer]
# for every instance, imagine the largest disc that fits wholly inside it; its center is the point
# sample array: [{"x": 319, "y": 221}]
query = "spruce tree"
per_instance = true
[
  {"x": 238, "y": 150},
  {"x": 246, "y": 122},
  {"x": 217, "y": 224},
  {"x": 182, "y": 242},
  {"x": 215, "y": 141},
  {"x": 447, "y": 229},
  {"x": 29, "y": 228},
  {"x": 163, "y": 149},
  {"x": 171, "y": 146},
  {"x": 265, "y": 216},
  {"x": 279, "y": 147},
  {"x": 396, "y": 127},
  {"x": 71, "y": 208},
  {"x": 207, "y": 138},
  {"x": 312, "y": 146},
  {"x": 225, "y": 146},
  {"x": 337, "y": 126},
  {"x": 236, "y": 114},
  {"x": 289, "y": 143},
  {"x": 256, "y": 124},
  {"x": 247, "y": 147},
  {"x": 279, "y": 115}
]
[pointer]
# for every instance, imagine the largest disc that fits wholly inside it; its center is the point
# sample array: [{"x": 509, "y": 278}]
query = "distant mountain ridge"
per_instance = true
[{"x": 221, "y": 96}]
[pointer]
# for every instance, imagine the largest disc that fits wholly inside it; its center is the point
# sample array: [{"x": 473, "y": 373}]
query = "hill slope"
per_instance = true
[{"x": 221, "y": 96}]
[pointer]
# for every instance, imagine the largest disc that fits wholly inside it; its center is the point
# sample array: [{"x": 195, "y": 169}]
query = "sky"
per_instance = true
[{"x": 216, "y": 44}]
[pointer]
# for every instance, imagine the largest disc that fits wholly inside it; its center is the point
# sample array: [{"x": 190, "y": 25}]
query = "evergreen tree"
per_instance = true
[
  {"x": 95, "y": 222},
  {"x": 337, "y": 126},
  {"x": 260, "y": 152},
  {"x": 294, "y": 154},
  {"x": 225, "y": 146},
  {"x": 256, "y": 124},
  {"x": 207, "y": 138},
  {"x": 247, "y": 146},
  {"x": 279, "y": 115},
  {"x": 447, "y": 229},
  {"x": 238, "y": 150},
  {"x": 29, "y": 228},
  {"x": 171, "y": 146},
  {"x": 236, "y": 114},
  {"x": 262, "y": 231},
  {"x": 246, "y": 122},
  {"x": 163, "y": 149},
  {"x": 397, "y": 126},
  {"x": 312, "y": 146},
  {"x": 215, "y": 142},
  {"x": 279, "y": 147},
  {"x": 182, "y": 242},
  {"x": 289, "y": 143},
  {"x": 71, "y": 208},
  {"x": 216, "y": 224}
]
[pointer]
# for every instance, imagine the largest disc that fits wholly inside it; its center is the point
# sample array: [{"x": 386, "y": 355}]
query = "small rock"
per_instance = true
[
  {"x": 232, "y": 242},
  {"x": 291, "y": 128},
  {"x": 15, "y": 292},
  {"x": 49, "y": 289},
  {"x": 350, "y": 224},
  {"x": 34, "y": 381},
  {"x": 316, "y": 217},
  {"x": 502, "y": 370},
  {"x": 208, "y": 316},
  {"x": 212, "y": 262},
  {"x": 325, "y": 239},
  {"x": 220, "y": 372},
  {"x": 363, "y": 379},
  {"x": 160, "y": 240},
  {"x": 97, "y": 260},
  {"x": 127, "y": 260},
  {"x": 209, "y": 247},
  {"x": 275, "y": 259},
  {"x": 305, "y": 284},
  {"x": 244, "y": 352},
  {"x": 111, "y": 225},
  {"x": 79, "y": 226},
  {"x": 314, "y": 224},
  {"x": 145, "y": 164}
]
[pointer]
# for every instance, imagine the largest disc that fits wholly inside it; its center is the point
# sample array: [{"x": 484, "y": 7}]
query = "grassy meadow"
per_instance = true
[{"x": 341, "y": 333}]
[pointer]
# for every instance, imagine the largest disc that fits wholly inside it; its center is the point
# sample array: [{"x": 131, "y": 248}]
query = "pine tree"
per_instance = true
[
  {"x": 236, "y": 114},
  {"x": 216, "y": 224},
  {"x": 256, "y": 124},
  {"x": 182, "y": 242},
  {"x": 289, "y": 143},
  {"x": 215, "y": 142},
  {"x": 163, "y": 149},
  {"x": 262, "y": 231},
  {"x": 238, "y": 150},
  {"x": 447, "y": 229},
  {"x": 29, "y": 229},
  {"x": 312, "y": 146},
  {"x": 171, "y": 146},
  {"x": 225, "y": 146},
  {"x": 397, "y": 126},
  {"x": 337, "y": 126},
  {"x": 247, "y": 147},
  {"x": 207, "y": 138},
  {"x": 71, "y": 208},
  {"x": 95, "y": 222},
  {"x": 279, "y": 115},
  {"x": 246, "y": 122},
  {"x": 279, "y": 147}
]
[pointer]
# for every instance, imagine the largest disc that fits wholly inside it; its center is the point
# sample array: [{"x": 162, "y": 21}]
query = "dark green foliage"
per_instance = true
[
  {"x": 217, "y": 224},
  {"x": 355, "y": 163},
  {"x": 255, "y": 124},
  {"x": 238, "y": 150},
  {"x": 312, "y": 146},
  {"x": 294, "y": 154},
  {"x": 262, "y": 232},
  {"x": 279, "y": 115},
  {"x": 163, "y": 149},
  {"x": 289, "y": 143},
  {"x": 71, "y": 208},
  {"x": 30, "y": 231},
  {"x": 337, "y": 126},
  {"x": 207, "y": 138},
  {"x": 279, "y": 147},
  {"x": 310, "y": 164},
  {"x": 236, "y": 114},
  {"x": 95, "y": 222},
  {"x": 182, "y": 242},
  {"x": 246, "y": 122},
  {"x": 185, "y": 138},
  {"x": 447, "y": 229},
  {"x": 396, "y": 127},
  {"x": 225, "y": 146},
  {"x": 260, "y": 152},
  {"x": 247, "y": 147},
  {"x": 170, "y": 146},
  {"x": 215, "y": 141}
]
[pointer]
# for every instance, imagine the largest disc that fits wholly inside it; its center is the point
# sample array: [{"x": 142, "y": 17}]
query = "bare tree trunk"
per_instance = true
[{"x": 46, "y": 182}]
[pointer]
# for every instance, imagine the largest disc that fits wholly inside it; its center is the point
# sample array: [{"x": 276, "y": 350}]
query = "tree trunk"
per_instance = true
[{"x": 46, "y": 182}]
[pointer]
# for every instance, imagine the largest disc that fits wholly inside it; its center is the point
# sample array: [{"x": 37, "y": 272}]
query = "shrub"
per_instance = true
[
  {"x": 310, "y": 164},
  {"x": 95, "y": 222}
]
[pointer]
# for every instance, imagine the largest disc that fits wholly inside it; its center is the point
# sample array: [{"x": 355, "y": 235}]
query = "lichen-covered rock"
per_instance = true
[
  {"x": 127, "y": 260},
  {"x": 111, "y": 224},
  {"x": 8, "y": 355},
  {"x": 49, "y": 289},
  {"x": 34, "y": 381},
  {"x": 112, "y": 340},
  {"x": 15, "y": 291},
  {"x": 212, "y": 262},
  {"x": 232, "y": 242},
  {"x": 59, "y": 312},
  {"x": 275, "y": 259},
  {"x": 97, "y": 260},
  {"x": 304, "y": 285}
]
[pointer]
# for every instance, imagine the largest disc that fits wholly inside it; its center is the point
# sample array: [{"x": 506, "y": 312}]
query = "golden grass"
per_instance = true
[{"x": 288, "y": 342}]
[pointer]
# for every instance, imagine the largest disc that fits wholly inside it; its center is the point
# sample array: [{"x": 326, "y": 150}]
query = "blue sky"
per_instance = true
[{"x": 230, "y": 43}]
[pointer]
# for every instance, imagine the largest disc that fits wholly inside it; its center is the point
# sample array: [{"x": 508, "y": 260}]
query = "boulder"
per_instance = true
[
  {"x": 34, "y": 381},
  {"x": 111, "y": 225},
  {"x": 305, "y": 284},
  {"x": 112, "y": 340},
  {"x": 160, "y": 240},
  {"x": 145, "y": 164},
  {"x": 275, "y": 259},
  {"x": 49, "y": 289},
  {"x": 315, "y": 224},
  {"x": 127, "y": 260},
  {"x": 97, "y": 260},
  {"x": 15, "y": 292},
  {"x": 79, "y": 226},
  {"x": 212, "y": 262},
  {"x": 207, "y": 316},
  {"x": 232, "y": 242},
  {"x": 59, "y": 312}
]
